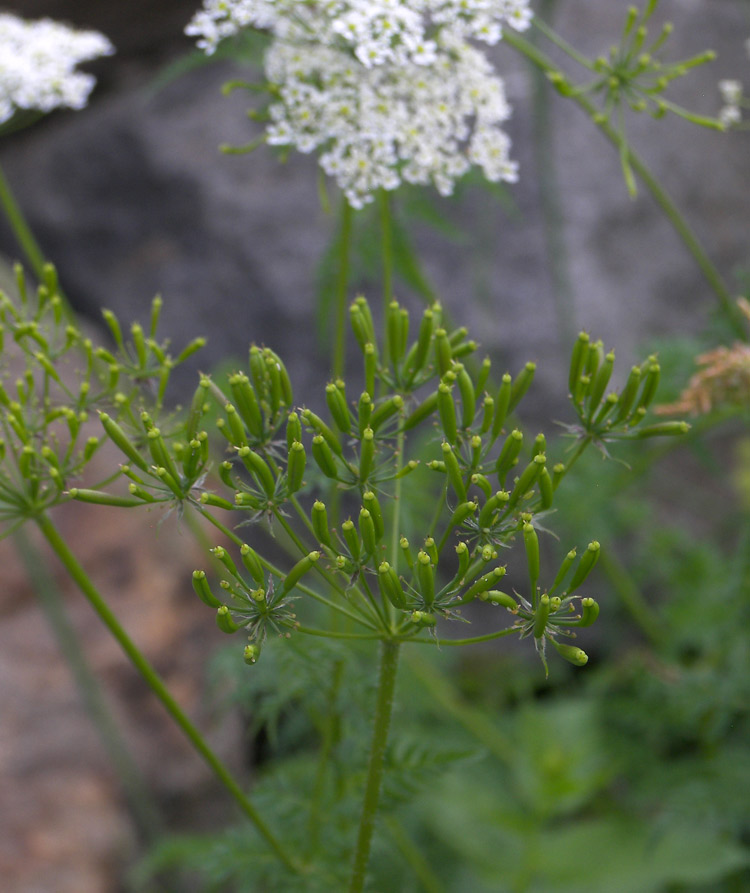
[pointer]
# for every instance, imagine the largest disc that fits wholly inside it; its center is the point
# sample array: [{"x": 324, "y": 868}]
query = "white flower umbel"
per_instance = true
[
  {"x": 731, "y": 94},
  {"x": 387, "y": 91},
  {"x": 37, "y": 65}
]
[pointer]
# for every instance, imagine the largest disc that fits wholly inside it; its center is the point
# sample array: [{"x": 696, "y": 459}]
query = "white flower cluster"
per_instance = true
[
  {"x": 731, "y": 94},
  {"x": 388, "y": 91},
  {"x": 37, "y": 64}
]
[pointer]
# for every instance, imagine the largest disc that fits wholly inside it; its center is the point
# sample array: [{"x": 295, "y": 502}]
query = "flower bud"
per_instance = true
[{"x": 203, "y": 590}]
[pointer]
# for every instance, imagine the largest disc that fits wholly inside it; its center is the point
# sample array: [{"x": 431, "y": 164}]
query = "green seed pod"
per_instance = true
[
  {"x": 287, "y": 396},
  {"x": 443, "y": 351},
  {"x": 323, "y": 457},
  {"x": 521, "y": 385},
  {"x": 235, "y": 428},
  {"x": 571, "y": 653},
  {"x": 258, "y": 467},
  {"x": 317, "y": 424},
  {"x": 431, "y": 549},
  {"x": 247, "y": 500},
  {"x": 589, "y": 612},
  {"x": 364, "y": 308},
  {"x": 496, "y": 597},
  {"x": 139, "y": 342},
  {"x": 226, "y": 560},
  {"x": 540, "y": 617},
  {"x": 159, "y": 453},
  {"x": 120, "y": 439},
  {"x": 508, "y": 454},
  {"x": 447, "y": 411},
  {"x": 96, "y": 497},
  {"x": 483, "y": 584},
  {"x": 251, "y": 654},
  {"x": 582, "y": 388},
  {"x": 479, "y": 480},
  {"x": 609, "y": 403},
  {"x": 319, "y": 518},
  {"x": 393, "y": 333},
  {"x": 436, "y": 465},
  {"x": 490, "y": 507},
  {"x": 464, "y": 559},
  {"x": 425, "y": 409},
  {"x": 336, "y": 401},
  {"x": 528, "y": 478},
  {"x": 540, "y": 445},
  {"x": 531, "y": 542},
  {"x": 546, "y": 490},
  {"x": 371, "y": 368},
  {"x": 594, "y": 359},
  {"x": 406, "y": 551},
  {"x": 364, "y": 411},
  {"x": 390, "y": 585},
  {"x": 367, "y": 532},
  {"x": 462, "y": 512},
  {"x": 273, "y": 376},
  {"x": 370, "y": 502},
  {"x": 366, "y": 454},
  {"x": 295, "y": 469},
  {"x": 627, "y": 398},
  {"x": 217, "y": 501},
  {"x": 246, "y": 404},
  {"x": 257, "y": 367},
  {"x": 351, "y": 538},
  {"x": 585, "y": 566},
  {"x": 650, "y": 384},
  {"x": 166, "y": 477},
  {"x": 488, "y": 413},
  {"x": 453, "y": 471},
  {"x": 225, "y": 473},
  {"x": 386, "y": 410},
  {"x": 577, "y": 360},
  {"x": 252, "y": 563},
  {"x": 555, "y": 603},
  {"x": 203, "y": 590},
  {"x": 468, "y": 395},
  {"x": 224, "y": 620},
  {"x": 483, "y": 376},
  {"x": 662, "y": 429},
  {"x": 417, "y": 356},
  {"x": 600, "y": 382},
  {"x": 476, "y": 450},
  {"x": 426, "y": 577},
  {"x": 558, "y": 472},
  {"x": 423, "y": 618},
  {"x": 299, "y": 570},
  {"x": 293, "y": 429}
]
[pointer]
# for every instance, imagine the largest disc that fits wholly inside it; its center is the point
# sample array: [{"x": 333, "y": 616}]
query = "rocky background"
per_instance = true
[{"x": 130, "y": 197}]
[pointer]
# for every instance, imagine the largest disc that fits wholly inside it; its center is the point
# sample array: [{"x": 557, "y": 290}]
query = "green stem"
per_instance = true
[
  {"x": 474, "y": 640},
  {"x": 152, "y": 679},
  {"x": 24, "y": 236},
  {"x": 342, "y": 284},
  {"x": 383, "y": 710},
  {"x": 386, "y": 229},
  {"x": 631, "y": 597},
  {"x": 711, "y": 274},
  {"x": 144, "y": 809}
]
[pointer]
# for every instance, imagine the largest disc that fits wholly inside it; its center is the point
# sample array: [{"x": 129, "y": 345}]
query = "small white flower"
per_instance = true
[{"x": 37, "y": 65}]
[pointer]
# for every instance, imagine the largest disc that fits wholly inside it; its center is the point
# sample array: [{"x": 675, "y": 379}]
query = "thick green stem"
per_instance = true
[
  {"x": 342, "y": 285},
  {"x": 144, "y": 809},
  {"x": 711, "y": 274},
  {"x": 152, "y": 679},
  {"x": 383, "y": 710}
]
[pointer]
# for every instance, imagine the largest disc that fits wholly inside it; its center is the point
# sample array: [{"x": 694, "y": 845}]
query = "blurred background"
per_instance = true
[{"x": 630, "y": 775}]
